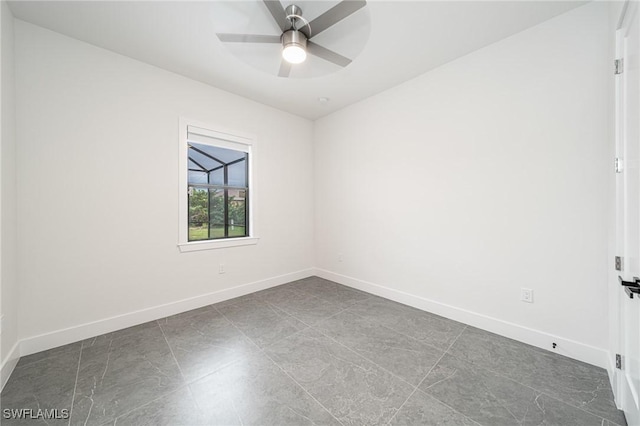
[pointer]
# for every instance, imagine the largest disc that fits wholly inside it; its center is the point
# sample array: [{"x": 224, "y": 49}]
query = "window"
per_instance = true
[
  {"x": 216, "y": 194},
  {"x": 218, "y": 187}
]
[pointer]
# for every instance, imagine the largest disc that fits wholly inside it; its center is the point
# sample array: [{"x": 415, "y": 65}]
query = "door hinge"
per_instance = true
[
  {"x": 619, "y": 66},
  {"x": 618, "y": 361},
  {"x": 617, "y": 163},
  {"x": 618, "y": 263}
]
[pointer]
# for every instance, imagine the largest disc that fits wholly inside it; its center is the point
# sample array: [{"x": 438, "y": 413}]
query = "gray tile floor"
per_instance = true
[{"x": 309, "y": 352}]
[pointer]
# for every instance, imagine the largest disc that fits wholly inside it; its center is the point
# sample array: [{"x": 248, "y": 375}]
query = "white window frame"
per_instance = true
[{"x": 234, "y": 138}]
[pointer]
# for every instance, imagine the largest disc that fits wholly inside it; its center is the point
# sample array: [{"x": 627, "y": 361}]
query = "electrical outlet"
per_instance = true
[
  {"x": 221, "y": 269},
  {"x": 526, "y": 295}
]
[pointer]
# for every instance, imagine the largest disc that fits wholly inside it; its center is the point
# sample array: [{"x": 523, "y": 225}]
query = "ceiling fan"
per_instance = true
[{"x": 297, "y": 33}]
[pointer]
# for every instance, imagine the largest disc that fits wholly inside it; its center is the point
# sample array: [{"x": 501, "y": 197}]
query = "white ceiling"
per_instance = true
[{"x": 405, "y": 39}]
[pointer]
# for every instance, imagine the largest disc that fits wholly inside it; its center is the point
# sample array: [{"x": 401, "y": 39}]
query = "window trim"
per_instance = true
[{"x": 235, "y": 137}]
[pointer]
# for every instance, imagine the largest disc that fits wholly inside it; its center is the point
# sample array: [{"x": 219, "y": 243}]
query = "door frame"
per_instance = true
[{"x": 617, "y": 296}]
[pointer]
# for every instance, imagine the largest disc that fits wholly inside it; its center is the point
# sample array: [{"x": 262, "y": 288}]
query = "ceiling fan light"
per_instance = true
[
  {"x": 294, "y": 54},
  {"x": 294, "y": 47}
]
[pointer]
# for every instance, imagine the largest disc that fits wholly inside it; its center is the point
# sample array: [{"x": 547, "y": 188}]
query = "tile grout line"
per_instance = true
[
  {"x": 493, "y": 371},
  {"x": 411, "y": 337},
  {"x": 198, "y": 378},
  {"x": 427, "y": 375},
  {"x": 500, "y": 374},
  {"x": 238, "y": 329},
  {"x": 311, "y": 293},
  {"x": 75, "y": 385},
  {"x": 276, "y": 309},
  {"x": 504, "y": 376},
  {"x": 312, "y": 327},
  {"x": 171, "y": 350},
  {"x": 442, "y": 402},
  {"x": 173, "y": 355},
  {"x": 306, "y": 326},
  {"x": 185, "y": 384},
  {"x": 278, "y": 366},
  {"x": 310, "y": 296},
  {"x": 364, "y": 357},
  {"x": 150, "y": 402},
  {"x": 450, "y": 407},
  {"x": 491, "y": 392},
  {"x": 415, "y": 388},
  {"x": 547, "y": 354},
  {"x": 301, "y": 387},
  {"x": 465, "y": 326},
  {"x": 390, "y": 329}
]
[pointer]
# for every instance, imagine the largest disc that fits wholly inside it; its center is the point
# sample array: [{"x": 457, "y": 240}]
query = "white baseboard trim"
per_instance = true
[
  {"x": 31, "y": 345},
  {"x": 580, "y": 351},
  {"x": 9, "y": 364},
  {"x": 567, "y": 347}
]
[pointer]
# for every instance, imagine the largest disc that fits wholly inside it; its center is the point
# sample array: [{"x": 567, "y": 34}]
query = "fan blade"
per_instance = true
[
  {"x": 332, "y": 16},
  {"x": 278, "y": 13},
  {"x": 327, "y": 55},
  {"x": 285, "y": 69},
  {"x": 248, "y": 38}
]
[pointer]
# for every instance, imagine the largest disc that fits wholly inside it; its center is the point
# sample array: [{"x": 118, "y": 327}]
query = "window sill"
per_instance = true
[{"x": 217, "y": 244}]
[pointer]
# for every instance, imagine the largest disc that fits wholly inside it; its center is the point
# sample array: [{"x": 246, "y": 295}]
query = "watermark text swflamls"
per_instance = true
[{"x": 31, "y": 414}]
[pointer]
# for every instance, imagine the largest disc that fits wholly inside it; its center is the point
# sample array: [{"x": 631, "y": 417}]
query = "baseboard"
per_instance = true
[
  {"x": 570, "y": 348},
  {"x": 65, "y": 336},
  {"x": 7, "y": 366},
  {"x": 567, "y": 347}
]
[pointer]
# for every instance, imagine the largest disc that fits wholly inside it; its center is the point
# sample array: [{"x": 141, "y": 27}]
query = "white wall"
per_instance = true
[
  {"x": 8, "y": 214},
  {"x": 483, "y": 176},
  {"x": 98, "y": 188},
  {"x": 457, "y": 188}
]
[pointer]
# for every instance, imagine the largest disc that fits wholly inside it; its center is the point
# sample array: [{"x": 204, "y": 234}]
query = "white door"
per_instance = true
[{"x": 628, "y": 199}]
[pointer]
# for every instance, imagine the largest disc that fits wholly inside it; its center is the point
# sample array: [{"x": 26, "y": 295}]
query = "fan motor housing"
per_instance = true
[{"x": 294, "y": 37}]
